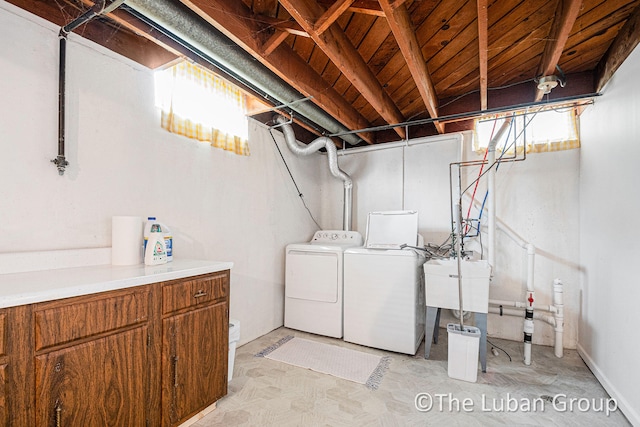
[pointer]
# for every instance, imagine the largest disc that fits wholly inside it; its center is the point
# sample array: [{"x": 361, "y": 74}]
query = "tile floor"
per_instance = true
[{"x": 264, "y": 392}]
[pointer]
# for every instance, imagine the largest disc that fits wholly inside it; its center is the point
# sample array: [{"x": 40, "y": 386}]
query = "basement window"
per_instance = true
[
  {"x": 549, "y": 129},
  {"x": 199, "y": 104}
]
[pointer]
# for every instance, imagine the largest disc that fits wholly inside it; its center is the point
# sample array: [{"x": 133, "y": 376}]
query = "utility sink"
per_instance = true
[{"x": 441, "y": 280}]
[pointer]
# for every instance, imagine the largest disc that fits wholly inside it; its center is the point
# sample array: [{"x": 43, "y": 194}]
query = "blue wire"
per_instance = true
[{"x": 497, "y": 166}]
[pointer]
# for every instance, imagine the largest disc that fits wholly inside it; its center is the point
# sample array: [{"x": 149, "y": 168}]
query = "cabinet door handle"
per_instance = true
[
  {"x": 175, "y": 371},
  {"x": 58, "y": 409},
  {"x": 200, "y": 294}
]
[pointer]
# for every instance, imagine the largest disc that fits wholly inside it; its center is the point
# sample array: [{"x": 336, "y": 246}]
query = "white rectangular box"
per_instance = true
[
  {"x": 464, "y": 348},
  {"x": 441, "y": 279}
]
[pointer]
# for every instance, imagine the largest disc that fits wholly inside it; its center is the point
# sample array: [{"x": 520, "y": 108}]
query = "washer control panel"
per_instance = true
[{"x": 337, "y": 236}]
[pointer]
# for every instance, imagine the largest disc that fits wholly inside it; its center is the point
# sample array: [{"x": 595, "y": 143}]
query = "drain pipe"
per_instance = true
[
  {"x": 491, "y": 186},
  {"x": 99, "y": 8},
  {"x": 528, "y": 314},
  {"x": 556, "y": 319},
  {"x": 558, "y": 303},
  {"x": 332, "y": 155}
]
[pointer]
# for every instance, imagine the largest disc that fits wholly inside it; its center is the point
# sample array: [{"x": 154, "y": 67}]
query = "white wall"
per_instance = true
[
  {"x": 609, "y": 245},
  {"x": 220, "y": 206},
  {"x": 537, "y": 198}
]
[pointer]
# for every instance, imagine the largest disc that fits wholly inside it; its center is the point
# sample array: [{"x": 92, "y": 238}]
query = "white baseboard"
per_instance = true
[{"x": 627, "y": 409}]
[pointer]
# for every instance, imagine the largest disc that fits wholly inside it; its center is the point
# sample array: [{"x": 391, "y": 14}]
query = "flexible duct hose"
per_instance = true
[{"x": 332, "y": 154}]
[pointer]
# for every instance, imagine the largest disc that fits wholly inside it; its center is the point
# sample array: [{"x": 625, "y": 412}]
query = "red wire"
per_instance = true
[{"x": 473, "y": 196}]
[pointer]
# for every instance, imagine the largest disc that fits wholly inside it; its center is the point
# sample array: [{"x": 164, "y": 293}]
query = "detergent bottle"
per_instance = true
[
  {"x": 168, "y": 241},
  {"x": 155, "y": 251},
  {"x": 168, "y": 237}
]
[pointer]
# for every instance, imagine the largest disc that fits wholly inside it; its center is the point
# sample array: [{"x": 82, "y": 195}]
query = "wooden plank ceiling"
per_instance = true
[{"x": 372, "y": 64}]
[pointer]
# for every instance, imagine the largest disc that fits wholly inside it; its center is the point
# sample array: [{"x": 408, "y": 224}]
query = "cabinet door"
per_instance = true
[
  {"x": 3, "y": 370},
  {"x": 4, "y": 420},
  {"x": 97, "y": 383},
  {"x": 195, "y": 359}
]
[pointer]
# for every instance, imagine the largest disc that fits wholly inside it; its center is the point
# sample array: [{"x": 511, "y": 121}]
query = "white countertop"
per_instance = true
[{"x": 46, "y": 285}]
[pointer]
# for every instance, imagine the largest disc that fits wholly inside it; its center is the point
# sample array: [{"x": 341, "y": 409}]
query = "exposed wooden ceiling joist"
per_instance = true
[
  {"x": 288, "y": 26},
  {"x": 483, "y": 49},
  {"x": 237, "y": 21},
  {"x": 566, "y": 14},
  {"x": 337, "y": 46},
  {"x": 273, "y": 42},
  {"x": 627, "y": 39},
  {"x": 402, "y": 28},
  {"x": 366, "y": 7},
  {"x": 480, "y": 54},
  {"x": 265, "y": 7},
  {"x": 331, "y": 15}
]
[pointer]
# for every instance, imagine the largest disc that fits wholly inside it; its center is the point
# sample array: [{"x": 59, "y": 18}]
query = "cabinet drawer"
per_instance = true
[
  {"x": 198, "y": 290},
  {"x": 3, "y": 333},
  {"x": 81, "y": 317}
]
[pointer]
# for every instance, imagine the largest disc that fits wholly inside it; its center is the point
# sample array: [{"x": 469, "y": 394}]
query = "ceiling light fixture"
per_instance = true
[{"x": 546, "y": 83}]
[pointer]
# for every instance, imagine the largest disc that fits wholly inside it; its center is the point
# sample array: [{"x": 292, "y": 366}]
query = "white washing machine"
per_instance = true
[
  {"x": 313, "y": 282},
  {"x": 384, "y": 288}
]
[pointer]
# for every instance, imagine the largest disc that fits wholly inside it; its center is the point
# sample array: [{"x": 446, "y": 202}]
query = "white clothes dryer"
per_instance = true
[{"x": 313, "y": 282}]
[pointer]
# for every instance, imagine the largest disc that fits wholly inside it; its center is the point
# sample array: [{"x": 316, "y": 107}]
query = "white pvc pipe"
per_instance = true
[
  {"x": 516, "y": 304},
  {"x": 491, "y": 207},
  {"x": 491, "y": 187},
  {"x": 528, "y": 329},
  {"x": 531, "y": 254},
  {"x": 559, "y": 316},
  {"x": 523, "y": 305},
  {"x": 517, "y": 313}
]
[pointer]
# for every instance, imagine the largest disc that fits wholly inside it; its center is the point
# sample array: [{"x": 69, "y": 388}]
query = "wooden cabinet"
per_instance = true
[
  {"x": 92, "y": 360},
  {"x": 15, "y": 368},
  {"x": 4, "y": 392},
  {"x": 195, "y": 345},
  {"x": 144, "y": 356},
  {"x": 98, "y": 383}
]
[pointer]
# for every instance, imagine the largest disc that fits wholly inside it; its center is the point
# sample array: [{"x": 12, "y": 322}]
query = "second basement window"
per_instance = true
[{"x": 543, "y": 130}]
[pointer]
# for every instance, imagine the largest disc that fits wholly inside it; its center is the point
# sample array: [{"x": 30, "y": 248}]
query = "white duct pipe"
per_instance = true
[
  {"x": 315, "y": 145},
  {"x": 491, "y": 186}
]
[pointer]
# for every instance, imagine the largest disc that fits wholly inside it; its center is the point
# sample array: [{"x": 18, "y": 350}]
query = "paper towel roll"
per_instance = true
[{"x": 126, "y": 240}]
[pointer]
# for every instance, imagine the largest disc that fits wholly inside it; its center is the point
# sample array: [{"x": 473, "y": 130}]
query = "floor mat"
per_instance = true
[{"x": 352, "y": 365}]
